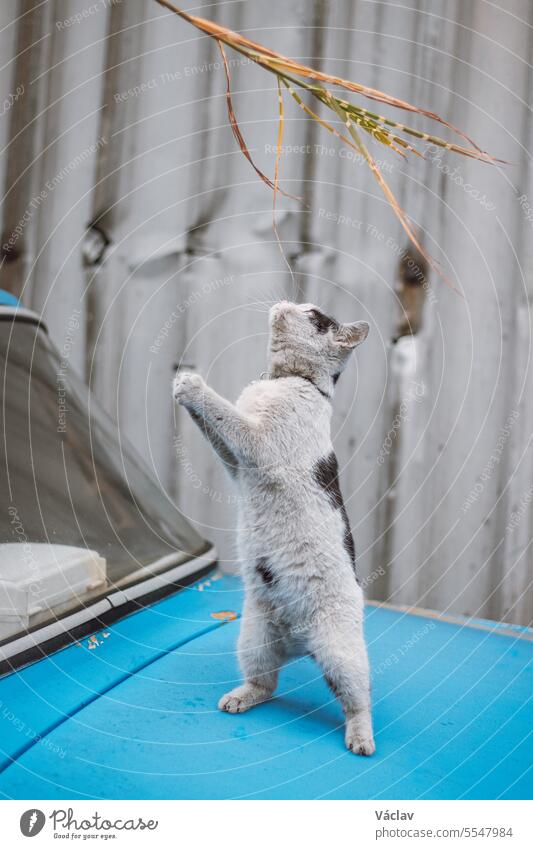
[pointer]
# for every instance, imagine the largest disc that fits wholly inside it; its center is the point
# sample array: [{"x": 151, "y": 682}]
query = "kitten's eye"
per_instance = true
[{"x": 321, "y": 321}]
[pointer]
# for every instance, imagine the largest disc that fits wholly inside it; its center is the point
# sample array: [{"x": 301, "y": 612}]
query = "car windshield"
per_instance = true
[{"x": 80, "y": 514}]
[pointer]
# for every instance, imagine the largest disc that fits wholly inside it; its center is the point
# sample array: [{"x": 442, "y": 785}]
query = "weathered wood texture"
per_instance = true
[{"x": 133, "y": 205}]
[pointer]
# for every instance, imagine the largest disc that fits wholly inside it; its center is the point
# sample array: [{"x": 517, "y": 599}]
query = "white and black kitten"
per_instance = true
[{"x": 294, "y": 538}]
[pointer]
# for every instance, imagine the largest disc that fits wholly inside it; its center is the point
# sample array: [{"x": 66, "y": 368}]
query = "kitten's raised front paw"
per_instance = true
[
  {"x": 359, "y": 738},
  {"x": 187, "y": 386},
  {"x": 243, "y": 698}
]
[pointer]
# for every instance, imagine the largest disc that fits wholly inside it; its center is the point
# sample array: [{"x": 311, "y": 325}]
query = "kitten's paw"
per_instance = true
[
  {"x": 243, "y": 698},
  {"x": 359, "y": 746},
  {"x": 187, "y": 386},
  {"x": 359, "y": 738}
]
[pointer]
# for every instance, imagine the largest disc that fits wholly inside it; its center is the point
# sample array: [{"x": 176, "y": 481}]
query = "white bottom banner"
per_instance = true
[{"x": 262, "y": 825}]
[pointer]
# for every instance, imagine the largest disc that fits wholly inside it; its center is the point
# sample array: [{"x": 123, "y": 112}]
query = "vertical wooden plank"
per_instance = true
[
  {"x": 473, "y": 403},
  {"x": 22, "y": 195},
  {"x": 66, "y": 168},
  {"x": 515, "y": 595},
  {"x": 406, "y": 450},
  {"x": 10, "y": 87},
  {"x": 143, "y": 210},
  {"x": 104, "y": 264}
]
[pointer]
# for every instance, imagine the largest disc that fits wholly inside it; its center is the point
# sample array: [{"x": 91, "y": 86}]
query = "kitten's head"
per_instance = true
[{"x": 305, "y": 342}]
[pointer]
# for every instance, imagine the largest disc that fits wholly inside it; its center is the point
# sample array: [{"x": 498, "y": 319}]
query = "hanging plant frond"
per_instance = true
[{"x": 293, "y": 76}]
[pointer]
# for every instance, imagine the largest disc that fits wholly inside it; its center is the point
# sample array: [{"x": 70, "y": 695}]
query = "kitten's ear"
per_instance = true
[{"x": 351, "y": 335}]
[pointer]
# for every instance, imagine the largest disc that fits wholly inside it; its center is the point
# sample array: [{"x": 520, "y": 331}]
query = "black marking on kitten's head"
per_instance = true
[
  {"x": 322, "y": 322},
  {"x": 304, "y": 341},
  {"x": 263, "y": 569}
]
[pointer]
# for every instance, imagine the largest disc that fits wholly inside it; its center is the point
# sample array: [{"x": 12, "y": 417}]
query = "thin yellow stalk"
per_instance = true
[{"x": 279, "y": 147}]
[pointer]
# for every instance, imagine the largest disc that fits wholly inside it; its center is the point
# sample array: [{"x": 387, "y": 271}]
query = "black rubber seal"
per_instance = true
[{"x": 42, "y": 650}]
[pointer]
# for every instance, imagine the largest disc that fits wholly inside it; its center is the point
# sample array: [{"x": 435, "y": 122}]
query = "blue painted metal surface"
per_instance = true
[
  {"x": 136, "y": 717},
  {"x": 8, "y": 300}
]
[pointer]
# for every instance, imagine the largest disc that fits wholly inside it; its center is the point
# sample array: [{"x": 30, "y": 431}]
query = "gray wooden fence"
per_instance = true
[{"x": 127, "y": 203}]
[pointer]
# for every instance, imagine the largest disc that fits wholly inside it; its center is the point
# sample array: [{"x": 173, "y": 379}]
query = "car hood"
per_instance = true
[{"x": 131, "y": 712}]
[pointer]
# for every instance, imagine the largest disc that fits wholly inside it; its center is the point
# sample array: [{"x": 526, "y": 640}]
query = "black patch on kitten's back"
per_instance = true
[
  {"x": 326, "y": 474},
  {"x": 263, "y": 568},
  {"x": 349, "y": 544}
]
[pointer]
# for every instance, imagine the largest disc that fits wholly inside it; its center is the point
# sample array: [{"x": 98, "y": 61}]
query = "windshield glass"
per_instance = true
[{"x": 79, "y": 513}]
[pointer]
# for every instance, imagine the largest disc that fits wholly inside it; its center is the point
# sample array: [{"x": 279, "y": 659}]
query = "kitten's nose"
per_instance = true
[{"x": 279, "y": 308}]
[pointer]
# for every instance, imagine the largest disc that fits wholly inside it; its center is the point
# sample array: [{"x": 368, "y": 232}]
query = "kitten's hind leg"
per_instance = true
[
  {"x": 261, "y": 654},
  {"x": 341, "y": 652}
]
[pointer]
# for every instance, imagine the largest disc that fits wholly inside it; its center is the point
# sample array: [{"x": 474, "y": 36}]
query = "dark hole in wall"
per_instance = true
[{"x": 411, "y": 288}]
